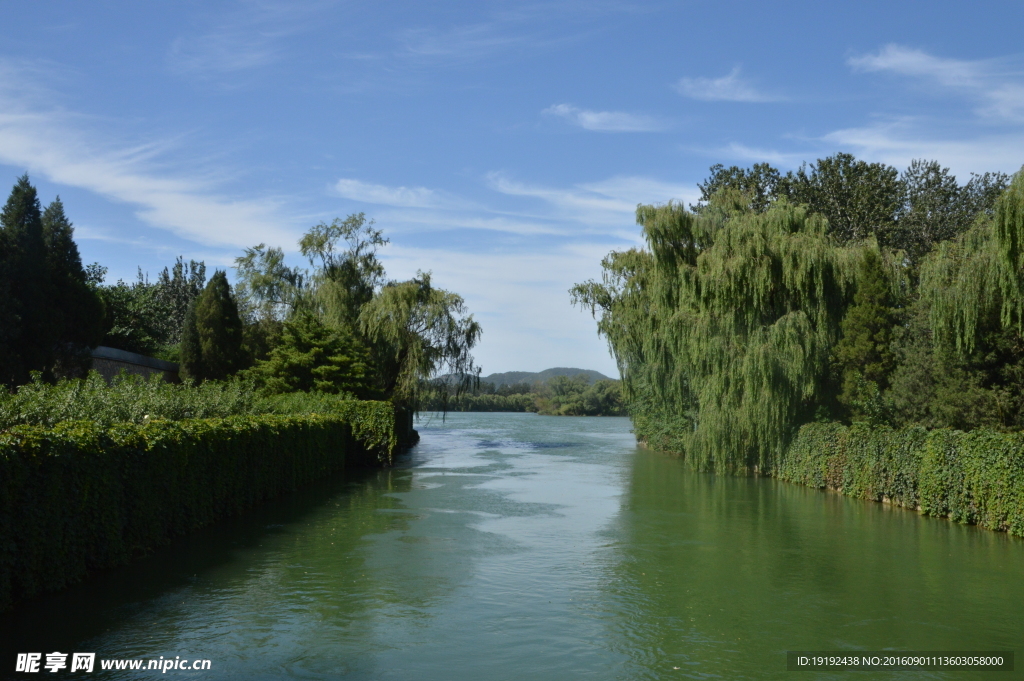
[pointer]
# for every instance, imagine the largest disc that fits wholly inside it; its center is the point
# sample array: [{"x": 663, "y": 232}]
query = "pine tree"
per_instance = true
[
  {"x": 212, "y": 337},
  {"x": 29, "y": 318},
  {"x": 311, "y": 356},
  {"x": 865, "y": 351},
  {"x": 79, "y": 311}
]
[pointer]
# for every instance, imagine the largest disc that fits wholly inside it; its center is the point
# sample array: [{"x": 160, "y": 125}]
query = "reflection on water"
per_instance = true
[
  {"x": 720, "y": 576},
  {"x": 511, "y": 546}
]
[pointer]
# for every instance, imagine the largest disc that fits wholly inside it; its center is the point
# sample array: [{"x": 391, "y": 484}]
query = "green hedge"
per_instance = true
[
  {"x": 78, "y": 497},
  {"x": 975, "y": 477}
]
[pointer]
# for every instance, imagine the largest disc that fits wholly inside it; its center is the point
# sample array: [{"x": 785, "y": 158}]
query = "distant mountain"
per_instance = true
[{"x": 510, "y": 377}]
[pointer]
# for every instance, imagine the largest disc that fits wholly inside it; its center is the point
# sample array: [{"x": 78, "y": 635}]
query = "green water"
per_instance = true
[{"x": 516, "y": 546}]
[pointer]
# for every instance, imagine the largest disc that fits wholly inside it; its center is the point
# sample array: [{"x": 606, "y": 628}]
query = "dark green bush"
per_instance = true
[
  {"x": 975, "y": 477},
  {"x": 81, "y": 497},
  {"x": 880, "y": 464}
]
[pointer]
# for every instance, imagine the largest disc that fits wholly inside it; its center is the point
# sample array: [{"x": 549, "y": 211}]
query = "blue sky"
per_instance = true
[{"x": 503, "y": 146}]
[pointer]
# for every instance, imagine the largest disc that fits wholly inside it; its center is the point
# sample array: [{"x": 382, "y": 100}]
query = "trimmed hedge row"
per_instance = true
[
  {"x": 975, "y": 477},
  {"x": 78, "y": 498}
]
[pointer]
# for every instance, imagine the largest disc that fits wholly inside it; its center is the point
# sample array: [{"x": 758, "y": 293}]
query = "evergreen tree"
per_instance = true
[
  {"x": 311, "y": 356},
  {"x": 78, "y": 308},
  {"x": 865, "y": 351},
  {"x": 212, "y": 338},
  {"x": 176, "y": 288},
  {"x": 30, "y": 320}
]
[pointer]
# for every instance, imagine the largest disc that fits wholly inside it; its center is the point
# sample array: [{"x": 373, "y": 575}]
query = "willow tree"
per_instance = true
[
  {"x": 416, "y": 332},
  {"x": 725, "y": 327},
  {"x": 409, "y": 330},
  {"x": 977, "y": 280},
  {"x": 346, "y": 271}
]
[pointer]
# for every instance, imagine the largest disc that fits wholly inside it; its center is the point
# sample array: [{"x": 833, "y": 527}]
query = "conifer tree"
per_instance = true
[
  {"x": 865, "y": 351},
  {"x": 311, "y": 356},
  {"x": 79, "y": 311},
  {"x": 212, "y": 337},
  {"x": 30, "y": 327}
]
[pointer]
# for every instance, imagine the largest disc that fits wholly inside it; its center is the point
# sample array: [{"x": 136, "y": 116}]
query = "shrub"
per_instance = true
[{"x": 81, "y": 497}]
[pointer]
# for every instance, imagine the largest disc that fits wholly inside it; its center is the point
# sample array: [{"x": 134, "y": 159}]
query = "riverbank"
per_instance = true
[
  {"x": 518, "y": 545},
  {"x": 79, "y": 497},
  {"x": 974, "y": 478}
]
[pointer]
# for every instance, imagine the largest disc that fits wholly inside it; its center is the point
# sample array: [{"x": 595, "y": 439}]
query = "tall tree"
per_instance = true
[
  {"x": 31, "y": 327},
  {"x": 858, "y": 199},
  {"x": 417, "y": 331},
  {"x": 176, "y": 288},
  {"x": 759, "y": 184},
  {"x": 79, "y": 311},
  {"x": 347, "y": 271},
  {"x": 212, "y": 338},
  {"x": 865, "y": 352},
  {"x": 724, "y": 329}
]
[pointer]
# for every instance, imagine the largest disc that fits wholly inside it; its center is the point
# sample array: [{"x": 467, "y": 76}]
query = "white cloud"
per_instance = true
[
  {"x": 899, "y": 142},
  {"x": 522, "y": 301},
  {"x": 249, "y": 37},
  {"x": 910, "y": 62},
  {"x": 408, "y": 197},
  {"x": 999, "y": 91},
  {"x": 221, "y": 53},
  {"x": 730, "y": 88},
  {"x": 606, "y": 121},
  {"x": 416, "y": 220},
  {"x": 611, "y": 201},
  {"x": 460, "y": 42},
  {"x": 54, "y": 143},
  {"x": 759, "y": 155}
]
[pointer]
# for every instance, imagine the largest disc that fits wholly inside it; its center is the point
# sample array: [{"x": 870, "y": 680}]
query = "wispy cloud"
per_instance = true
[
  {"x": 407, "y": 197},
  {"x": 251, "y": 36},
  {"x": 900, "y": 141},
  {"x": 606, "y": 121},
  {"x": 609, "y": 202},
  {"x": 53, "y": 143},
  {"x": 758, "y": 155},
  {"x": 221, "y": 53},
  {"x": 525, "y": 302},
  {"x": 730, "y": 88},
  {"x": 462, "y": 42},
  {"x": 1000, "y": 91}
]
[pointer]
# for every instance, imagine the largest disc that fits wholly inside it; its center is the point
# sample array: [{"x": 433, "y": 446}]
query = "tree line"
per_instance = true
[
  {"x": 559, "y": 396},
  {"x": 844, "y": 291},
  {"x": 339, "y": 326}
]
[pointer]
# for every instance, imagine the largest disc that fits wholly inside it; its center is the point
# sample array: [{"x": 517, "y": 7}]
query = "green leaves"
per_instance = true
[
  {"x": 211, "y": 343},
  {"x": 311, "y": 357},
  {"x": 384, "y": 338},
  {"x": 417, "y": 331},
  {"x": 80, "y": 497}
]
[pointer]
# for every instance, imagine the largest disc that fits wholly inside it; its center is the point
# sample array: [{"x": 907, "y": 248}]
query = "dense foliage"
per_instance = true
[
  {"x": 846, "y": 292},
  {"x": 81, "y": 496},
  {"x": 211, "y": 338},
  {"x": 310, "y": 356},
  {"x": 49, "y": 314},
  {"x": 975, "y": 477},
  {"x": 347, "y": 328},
  {"x": 127, "y": 399}
]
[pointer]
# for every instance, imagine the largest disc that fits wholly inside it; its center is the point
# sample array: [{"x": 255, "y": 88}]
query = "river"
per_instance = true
[{"x": 517, "y": 546}]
